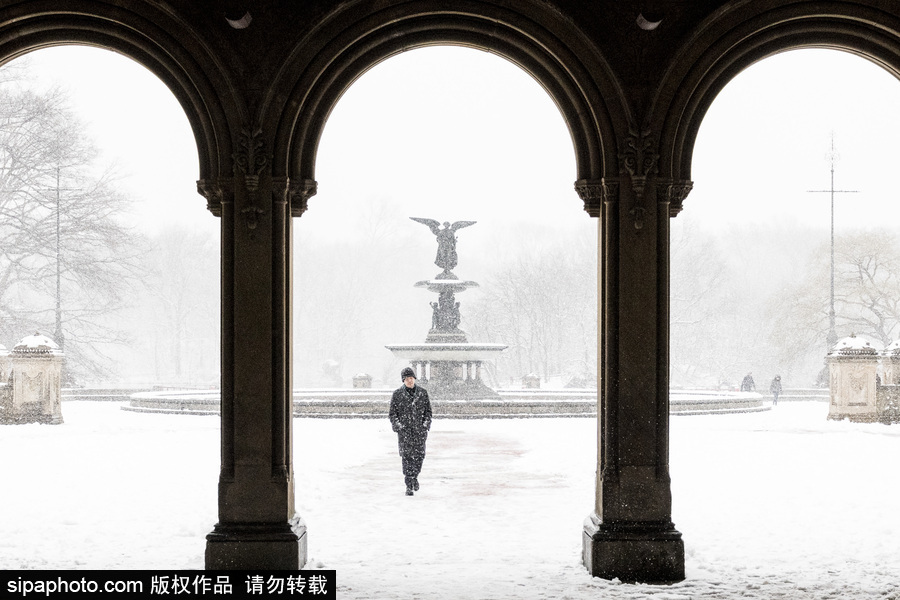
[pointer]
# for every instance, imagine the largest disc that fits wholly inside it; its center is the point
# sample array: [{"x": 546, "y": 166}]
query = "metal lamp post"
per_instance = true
[{"x": 831, "y": 338}]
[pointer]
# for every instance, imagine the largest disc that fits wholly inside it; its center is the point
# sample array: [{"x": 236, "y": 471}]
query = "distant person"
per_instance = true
[
  {"x": 775, "y": 388},
  {"x": 747, "y": 384},
  {"x": 410, "y": 416}
]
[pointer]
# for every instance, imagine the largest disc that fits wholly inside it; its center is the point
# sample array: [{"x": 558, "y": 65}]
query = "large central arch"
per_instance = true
[
  {"x": 630, "y": 534},
  {"x": 566, "y": 69}
]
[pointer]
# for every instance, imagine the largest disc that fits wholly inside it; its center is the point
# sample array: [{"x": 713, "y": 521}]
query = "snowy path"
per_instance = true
[{"x": 782, "y": 504}]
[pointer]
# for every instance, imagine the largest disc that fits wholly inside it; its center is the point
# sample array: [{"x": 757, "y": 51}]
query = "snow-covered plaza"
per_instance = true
[{"x": 775, "y": 504}]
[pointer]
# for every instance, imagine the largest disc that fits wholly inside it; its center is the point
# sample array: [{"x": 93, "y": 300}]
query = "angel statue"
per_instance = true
[{"x": 446, "y": 239}]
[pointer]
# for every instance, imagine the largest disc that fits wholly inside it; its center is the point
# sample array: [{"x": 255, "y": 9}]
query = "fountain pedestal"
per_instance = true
[
  {"x": 451, "y": 371},
  {"x": 447, "y": 364}
]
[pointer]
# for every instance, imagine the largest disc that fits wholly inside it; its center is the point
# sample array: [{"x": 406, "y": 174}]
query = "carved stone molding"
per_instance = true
[
  {"x": 249, "y": 160},
  {"x": 216, "y": 193},
  {"x": 638, "y": 211},
  {"x": 639, "y": 160},
  {"x": 673, "y": 193}
]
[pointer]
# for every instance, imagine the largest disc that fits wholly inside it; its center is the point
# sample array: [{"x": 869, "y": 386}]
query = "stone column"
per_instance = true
[
  {"x": 630, "y": 534},
  {"x": 257, "y": 527}
]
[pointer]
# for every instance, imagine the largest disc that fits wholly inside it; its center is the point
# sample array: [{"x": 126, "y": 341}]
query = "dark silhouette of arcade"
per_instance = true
[{"x": 632, "y": 79}]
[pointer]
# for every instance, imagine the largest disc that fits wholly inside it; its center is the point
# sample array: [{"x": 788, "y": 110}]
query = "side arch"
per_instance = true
[
  {"x": 554, "y": 52},
  {"x": 745, "y": 33},
  {"x": 157, "y": 40}
]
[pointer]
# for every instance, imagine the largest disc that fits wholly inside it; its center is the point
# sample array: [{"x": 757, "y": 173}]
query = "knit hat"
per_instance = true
[{"x": 407, "y": 372}]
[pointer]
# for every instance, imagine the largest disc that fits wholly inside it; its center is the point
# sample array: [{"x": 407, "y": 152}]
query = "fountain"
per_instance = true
[{"x": 447, "y": 364}]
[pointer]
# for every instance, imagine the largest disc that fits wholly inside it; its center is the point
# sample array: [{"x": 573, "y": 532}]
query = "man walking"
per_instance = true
[
  {"x": 775, "y": 388},
  {"x": 747, "y": 384},
  {"x": 410, "y": 416}
]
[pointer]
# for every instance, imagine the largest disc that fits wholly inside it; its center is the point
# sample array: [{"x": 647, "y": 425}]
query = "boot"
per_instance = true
[{"x": 416, "y": 484}]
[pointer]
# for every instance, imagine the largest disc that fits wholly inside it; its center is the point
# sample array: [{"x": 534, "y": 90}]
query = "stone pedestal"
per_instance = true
[
  {"x": 274, "y": 547},
  {"x": 852, "y": 368},
  {"x": 447, "y": 365},
  {"x": 646, "y": 553},
  {"x": 35, "y": 372},
  {"x": 451, "y": 371},
  {"x": 362, "y": 380}
]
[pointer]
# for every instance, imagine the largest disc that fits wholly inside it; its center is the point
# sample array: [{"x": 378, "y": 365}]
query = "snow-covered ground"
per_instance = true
[{"x": 777, "y": 504}]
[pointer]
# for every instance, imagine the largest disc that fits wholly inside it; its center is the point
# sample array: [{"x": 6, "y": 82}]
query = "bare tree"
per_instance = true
[
  {"x": 866, "y": 292},
  {"x": 731, "y": 300},
  {"x": 178, "y": 317},
  {"x": 542, "y": 303},
  {"x": 66, "y": 260},
  {"x": 354, "y": 294},
  {"x": 700, "y": 307}
]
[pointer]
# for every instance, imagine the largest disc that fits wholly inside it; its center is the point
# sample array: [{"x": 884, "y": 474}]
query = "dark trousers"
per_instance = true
[{"x": 412, "y": 464}]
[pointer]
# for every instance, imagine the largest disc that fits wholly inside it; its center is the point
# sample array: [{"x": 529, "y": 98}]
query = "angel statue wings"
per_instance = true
[{"x": 446, "y": 239}]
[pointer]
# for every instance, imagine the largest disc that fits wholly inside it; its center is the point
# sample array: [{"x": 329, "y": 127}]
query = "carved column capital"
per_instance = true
[
  {"x": 673, "y": 193},
  {"x": 595, "y": 192},
  {"x": 591, "y": 193},
  {"x": 295, "y": 192},
  {"x": 216, "y": 192},
  {"x": 299, "y": 192}
]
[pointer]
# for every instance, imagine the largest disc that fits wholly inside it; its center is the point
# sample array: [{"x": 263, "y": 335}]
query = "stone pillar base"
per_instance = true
[
  {"x": 246, "y": 547},
  {"x": 634, "y": 553}
]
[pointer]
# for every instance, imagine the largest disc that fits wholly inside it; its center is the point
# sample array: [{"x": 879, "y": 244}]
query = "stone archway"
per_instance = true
[
  {"x": 159, "y": 41},
  {"x": 165, "y": 46},
  {"x": 725, "y": 45},
  {"x": 257, "y": 99},
  {"x": 550, "y": 50},
  {"x": 630, "y": 534}
]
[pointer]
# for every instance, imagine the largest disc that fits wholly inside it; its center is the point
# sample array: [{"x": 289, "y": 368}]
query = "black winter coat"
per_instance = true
[{"x": 411, "y": 418}]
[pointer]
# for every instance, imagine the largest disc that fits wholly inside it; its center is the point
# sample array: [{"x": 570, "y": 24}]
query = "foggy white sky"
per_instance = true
[{"x": 453, "y": 133}]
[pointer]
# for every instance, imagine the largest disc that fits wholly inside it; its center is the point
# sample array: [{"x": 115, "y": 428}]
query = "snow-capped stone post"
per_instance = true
[
  {"x": 852, "y": 368},
  {"x": 362, "y": 380},
  {"x": 36, "y": 372}
]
